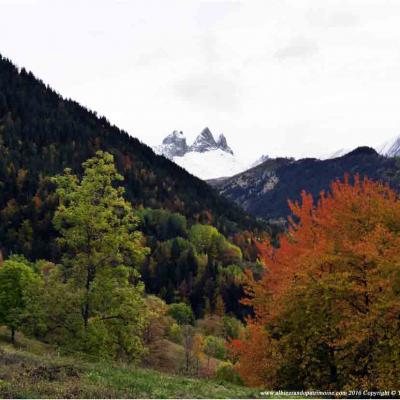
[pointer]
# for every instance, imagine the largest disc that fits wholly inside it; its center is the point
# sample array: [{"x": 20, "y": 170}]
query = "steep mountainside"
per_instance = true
[
  {"x": 206, "y": 158},
  {"x": 41, "y": 133},
  {"x": 264, "y": 190},
  {"x": 391, "y": 148}
]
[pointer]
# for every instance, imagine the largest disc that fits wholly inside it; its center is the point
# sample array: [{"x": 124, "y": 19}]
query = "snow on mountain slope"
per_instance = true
[
  {"x": 336, "y": 154},
  {"x": 391, "y": 148},
  {"x": 206, "y": 158},
  {"x": 211, "y": 164},
  {"x": 259, "y": 161}
]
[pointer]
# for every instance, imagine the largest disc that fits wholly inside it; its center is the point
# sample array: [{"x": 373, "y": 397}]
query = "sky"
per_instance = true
[{"x": 284, "y": 78}]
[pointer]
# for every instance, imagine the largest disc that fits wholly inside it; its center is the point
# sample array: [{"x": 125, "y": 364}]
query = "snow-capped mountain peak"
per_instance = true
[
  {"x": 223, "y": 144},
  {"x": 175, "y": 136},
  {"x": 204, "y": 142},
  {"x": 206, "y": 158},
  {"x": 173, "y": 145}
]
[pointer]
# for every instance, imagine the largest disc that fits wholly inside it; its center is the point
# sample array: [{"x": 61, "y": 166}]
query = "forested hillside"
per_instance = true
[{"x": 41, "y": 134}]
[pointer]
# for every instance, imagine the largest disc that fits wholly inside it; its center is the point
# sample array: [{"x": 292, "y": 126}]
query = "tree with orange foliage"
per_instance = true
[
  {"x": 257, "y": 356},
  {"x": 328, "y": 304}
]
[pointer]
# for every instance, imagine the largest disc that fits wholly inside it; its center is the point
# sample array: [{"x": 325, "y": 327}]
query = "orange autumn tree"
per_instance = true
[{"x": 327, "y": 309}]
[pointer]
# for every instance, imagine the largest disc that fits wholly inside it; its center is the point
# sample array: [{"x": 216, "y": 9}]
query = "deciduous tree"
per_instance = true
[
  {"x": 102, "y": 252},
  {"x": 18, "y": 287},
  {"x": 329, "y": 295}
]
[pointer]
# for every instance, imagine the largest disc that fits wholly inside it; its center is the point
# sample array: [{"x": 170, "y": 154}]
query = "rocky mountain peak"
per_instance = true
[
  {"x": 174, "y": 145},
  {"x": 204, "y": 142},
  {"x": 223, "y": 144},
  {"x": 174, "y": 137}
]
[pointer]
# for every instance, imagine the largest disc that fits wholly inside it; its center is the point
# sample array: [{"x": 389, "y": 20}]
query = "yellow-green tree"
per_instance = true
[
  {"x": 101, "y": 252},
  {"x": 19, "y": 285}
]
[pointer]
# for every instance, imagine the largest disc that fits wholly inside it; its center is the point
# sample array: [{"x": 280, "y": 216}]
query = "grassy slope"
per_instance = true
[{"x": 33, "y": 370}]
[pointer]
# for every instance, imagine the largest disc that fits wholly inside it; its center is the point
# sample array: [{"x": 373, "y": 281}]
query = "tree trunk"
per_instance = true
[
  {"x": 86, "y": 307},
  {"x": 13, "y": 335},
  {"x": 332, "y": 367}
]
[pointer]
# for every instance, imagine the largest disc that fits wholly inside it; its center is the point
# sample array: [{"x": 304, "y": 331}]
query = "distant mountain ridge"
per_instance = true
[
  {"x": 265, "y": 189},
  {"x": 390, "y": 148}
]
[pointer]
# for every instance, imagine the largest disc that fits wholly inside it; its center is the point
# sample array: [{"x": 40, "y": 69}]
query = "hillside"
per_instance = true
[
  {"x": 41, "y": 133},
  {"x": 35, "y": 370},
  {"x": 264, "y": 190}
]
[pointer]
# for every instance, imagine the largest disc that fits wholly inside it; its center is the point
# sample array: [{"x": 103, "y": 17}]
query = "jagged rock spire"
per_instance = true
[
  {"x": 204, "y": 142},
  {"x": 223, "y": 144},
  {"x": 174, "y": 145}
]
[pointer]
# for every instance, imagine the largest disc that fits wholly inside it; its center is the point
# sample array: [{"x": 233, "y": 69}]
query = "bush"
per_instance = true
[
  {"x": 226, "y": 372},
  {"x": 215, "y": 347},
  {"x": 175, "y": 333}
]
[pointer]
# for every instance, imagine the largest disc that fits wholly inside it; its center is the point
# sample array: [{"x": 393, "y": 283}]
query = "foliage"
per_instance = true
[
  {"x": 232, "y": 327},
  {"x": 327, "y": 306},
  {"x": 226, "y": 372},
  {"x": 162, "y": 224},
  {"x": 211, "y": 325},
  {"x": 256, "y": 356},
  {"x": 157, "y": 320},
  {"x": 180, "y": 269},
  {"x": 181, "y": 313},
  {"x": 101, "y": 252},
  {"x": 215, "y": 347},
  {"x": 226, "y": 327},
  {"x": 175, "y": 333},
  {"x": 19, "y": 285},
  {"x": 207, "y": 239}
]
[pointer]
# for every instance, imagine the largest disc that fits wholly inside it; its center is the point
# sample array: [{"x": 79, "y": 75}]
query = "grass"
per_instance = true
[{"x": 34, "y": 370}]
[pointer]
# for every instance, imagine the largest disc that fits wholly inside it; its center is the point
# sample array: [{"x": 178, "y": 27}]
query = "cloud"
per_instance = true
[
  {"x": 151, "y": 58},
  {"x": 209, "y": 90},
  {"x": 342, "y": 20},
  {"x": 290, "y": 77},
  {"x": 298, "y": 48},
  {"x": 331, "y": 19},
  {"x": 209, "y": 14}
]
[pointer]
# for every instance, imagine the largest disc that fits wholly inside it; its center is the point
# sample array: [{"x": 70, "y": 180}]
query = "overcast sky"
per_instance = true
[{"x": 291, "y": 78}]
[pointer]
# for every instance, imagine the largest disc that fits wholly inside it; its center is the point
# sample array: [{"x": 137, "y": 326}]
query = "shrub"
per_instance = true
[{"x": 226, "y": 372}]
